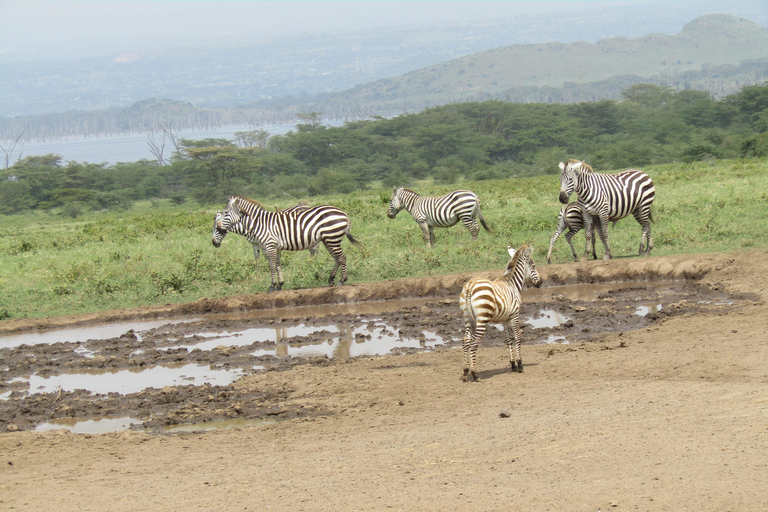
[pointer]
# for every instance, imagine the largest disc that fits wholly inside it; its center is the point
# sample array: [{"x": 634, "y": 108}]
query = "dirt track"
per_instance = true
[{"x": 662, "y": 412}]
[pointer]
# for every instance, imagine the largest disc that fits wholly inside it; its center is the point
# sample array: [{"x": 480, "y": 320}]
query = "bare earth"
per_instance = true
[{"x": 663, "y": 412}]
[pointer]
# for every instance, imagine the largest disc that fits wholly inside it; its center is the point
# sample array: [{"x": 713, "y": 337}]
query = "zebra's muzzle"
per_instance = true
[{"x": 564, "y": 198}]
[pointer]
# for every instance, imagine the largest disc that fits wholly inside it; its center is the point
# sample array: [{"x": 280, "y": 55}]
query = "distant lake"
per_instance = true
[{"x": 132, "y": 148}]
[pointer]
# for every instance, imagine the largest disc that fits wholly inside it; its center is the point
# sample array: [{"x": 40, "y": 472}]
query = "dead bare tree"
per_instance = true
[
  {"x": 9, "y": 147},
  {"x": 158, "y": 148}
]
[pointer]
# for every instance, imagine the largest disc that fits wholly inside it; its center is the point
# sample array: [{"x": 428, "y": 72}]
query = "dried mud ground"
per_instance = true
[{"x": 665, "y": 411}]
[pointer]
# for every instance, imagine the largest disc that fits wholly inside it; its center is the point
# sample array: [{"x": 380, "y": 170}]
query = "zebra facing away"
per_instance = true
[
  {"x": 571, "y": 218},
  {"x": 483, "y": 302},
  {"x": 293, "y": 229},
  {"x": 441, "y": 212},
  {"x": 610, "y": 197}
]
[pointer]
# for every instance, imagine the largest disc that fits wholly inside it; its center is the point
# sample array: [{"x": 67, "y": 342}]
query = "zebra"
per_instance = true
[
  {"x": 571, "y": 218},
  {"x": 294, "y": 229},
  {"x": 483, "y": 301},
  {"x": 442, "y": 212},
  {"x": 609, "y": 197}
]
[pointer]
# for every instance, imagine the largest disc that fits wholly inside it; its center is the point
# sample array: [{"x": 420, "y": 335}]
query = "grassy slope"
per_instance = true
[
  {"x": 712, "y": 39},
  {"x": 155, "y": 255}
]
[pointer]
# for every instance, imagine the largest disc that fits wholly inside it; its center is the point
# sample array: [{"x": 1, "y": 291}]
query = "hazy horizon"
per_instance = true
[{"x": 40, "y": 30}]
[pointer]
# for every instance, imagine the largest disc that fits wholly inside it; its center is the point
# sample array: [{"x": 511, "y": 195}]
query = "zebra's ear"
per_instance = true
[
  {"x": 511, "y": 251},
  {"x": 232, "y": 204},
  {"x": 562, "y": 166}
]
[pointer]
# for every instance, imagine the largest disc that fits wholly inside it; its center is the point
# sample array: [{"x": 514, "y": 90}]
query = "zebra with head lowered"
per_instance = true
[
  {"x": 483, "y": 302},
  {"x": 294, "y": 229},
  {"x": 441, "y": 212},
  {"x": 571, "y": 218},
  {"x": 609, "y": 197}
]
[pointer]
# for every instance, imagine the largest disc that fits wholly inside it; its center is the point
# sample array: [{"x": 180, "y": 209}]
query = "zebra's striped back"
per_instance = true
[
  {"x": 485, "y": 301},
  {"x": 442, "y": 212}
]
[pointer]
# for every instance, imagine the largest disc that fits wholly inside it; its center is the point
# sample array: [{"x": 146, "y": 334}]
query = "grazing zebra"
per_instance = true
[
  {"x": 571, "y": 218},
  {"x": 609, "y": 197},
  {"x": 441, "y": 212},
  {"x": 294, "y": 229},
  {"x": 483, "y": 301}
]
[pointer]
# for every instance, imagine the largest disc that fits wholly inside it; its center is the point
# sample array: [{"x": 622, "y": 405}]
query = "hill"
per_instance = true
[{"x": 579, "y": 71}]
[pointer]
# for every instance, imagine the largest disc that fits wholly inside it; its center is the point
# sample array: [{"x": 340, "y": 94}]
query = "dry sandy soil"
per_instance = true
[{"x": 661, "y": 412}]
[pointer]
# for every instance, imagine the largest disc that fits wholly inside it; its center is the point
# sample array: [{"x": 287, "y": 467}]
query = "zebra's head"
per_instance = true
[
  {"x": 221, "y": 226},
  {"x": 522, "y": 264},
  {"x": 395, "y": 205},
  {"x": 568, "y": 179}
]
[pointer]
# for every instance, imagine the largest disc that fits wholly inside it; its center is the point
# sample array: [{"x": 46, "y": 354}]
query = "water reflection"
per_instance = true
[
  {"x": 133, "y": 381},
  {"x": 89, "y": 426}
]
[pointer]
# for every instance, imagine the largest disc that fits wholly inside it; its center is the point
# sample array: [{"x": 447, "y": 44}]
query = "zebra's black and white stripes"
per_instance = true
[
  {"x": 483, "y": 302},
  {"x": 294, "y": 229},
  {"x": 572, "y": 219},
  {"x": 441, "y": 212},
  {"x": 610, "y": 197}
]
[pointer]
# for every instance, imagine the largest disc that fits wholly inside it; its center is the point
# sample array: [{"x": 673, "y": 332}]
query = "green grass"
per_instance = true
[{"x": 50, "y": 265}]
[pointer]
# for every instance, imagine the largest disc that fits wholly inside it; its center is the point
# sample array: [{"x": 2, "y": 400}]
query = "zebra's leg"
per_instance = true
[
  {"x": 514, "y": 338},
  {"x": 603, "y": 230},
  {"x": 472, "y": 226},
  {"x": 427, "y": 232},
  {"x": 340, "y": 261},
  {"x": 552, "y": 241},
  {"x": 465, "y": 347},
  {"x": 273, "y": 256},
  {"x": 569, "y": 239},
  {"x": 646, "y": 243},
  {"x": 477, "y": 333},
  {"x": 588, "y": 234},
  {"x": 595, "y": 224}
]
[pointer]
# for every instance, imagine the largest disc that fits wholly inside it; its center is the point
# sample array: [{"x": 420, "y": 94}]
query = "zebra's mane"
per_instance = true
[
  {"x": 249, "y": 205},
  {"x": 512, "y": 265},
  {"x": 583, "y": 165},
  {"x": 409, "y": 190}
]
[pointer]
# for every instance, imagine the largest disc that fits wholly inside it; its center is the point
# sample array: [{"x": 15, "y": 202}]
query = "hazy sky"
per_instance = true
[{"x": 42, "y": 29}]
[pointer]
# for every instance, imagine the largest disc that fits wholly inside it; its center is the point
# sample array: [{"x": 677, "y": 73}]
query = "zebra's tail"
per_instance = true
[
  {"x": 650, "y": 215},
  {"x": 352, "y": 239},
  {"x": 482, "y": 220}
]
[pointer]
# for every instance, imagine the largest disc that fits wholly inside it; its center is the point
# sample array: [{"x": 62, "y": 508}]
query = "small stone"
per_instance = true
[{"x": 505, "y": 414}]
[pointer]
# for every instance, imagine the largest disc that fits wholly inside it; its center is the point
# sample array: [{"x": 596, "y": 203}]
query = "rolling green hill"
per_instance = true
[{"x": 706, "y": 42}]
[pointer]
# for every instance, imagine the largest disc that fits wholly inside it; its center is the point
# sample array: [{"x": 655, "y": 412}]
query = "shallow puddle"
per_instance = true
[
  {"x": 129, "y": 381},
  {"x": 75, "y": 334},
  {"x": 89, "y": 426}
]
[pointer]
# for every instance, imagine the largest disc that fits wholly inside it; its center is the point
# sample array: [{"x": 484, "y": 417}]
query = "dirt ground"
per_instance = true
[{"x": 661, "y": 411}]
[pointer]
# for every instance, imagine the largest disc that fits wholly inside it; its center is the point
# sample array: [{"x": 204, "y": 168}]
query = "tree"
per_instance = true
[
  {"x": 9, "y": 147},
  {"x": 252, "y": 139}
]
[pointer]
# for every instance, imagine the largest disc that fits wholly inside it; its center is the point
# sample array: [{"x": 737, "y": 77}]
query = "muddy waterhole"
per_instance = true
[{"x": 178, "y": 374}]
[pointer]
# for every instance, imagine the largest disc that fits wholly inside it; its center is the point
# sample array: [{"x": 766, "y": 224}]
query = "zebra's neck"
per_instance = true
[
  {"x": 516, "y": 277},
  {"x": 408, "y": 198}
]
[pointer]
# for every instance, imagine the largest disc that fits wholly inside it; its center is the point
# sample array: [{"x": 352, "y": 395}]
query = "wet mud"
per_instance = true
[{"x": 184, "y": 371}]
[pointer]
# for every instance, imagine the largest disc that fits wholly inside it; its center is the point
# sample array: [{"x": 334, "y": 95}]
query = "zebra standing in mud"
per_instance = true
[
  {"x": 441, "y": 212},
  {"x": 294, "y": 229},
  {"x": 571, "y": 218},
  {"x": 610, "y": 197},
  {"x": 483, "y": 301}
]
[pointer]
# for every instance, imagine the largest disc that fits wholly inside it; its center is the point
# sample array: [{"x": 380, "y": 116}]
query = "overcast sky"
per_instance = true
[{"x": 42, "y": 29}]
